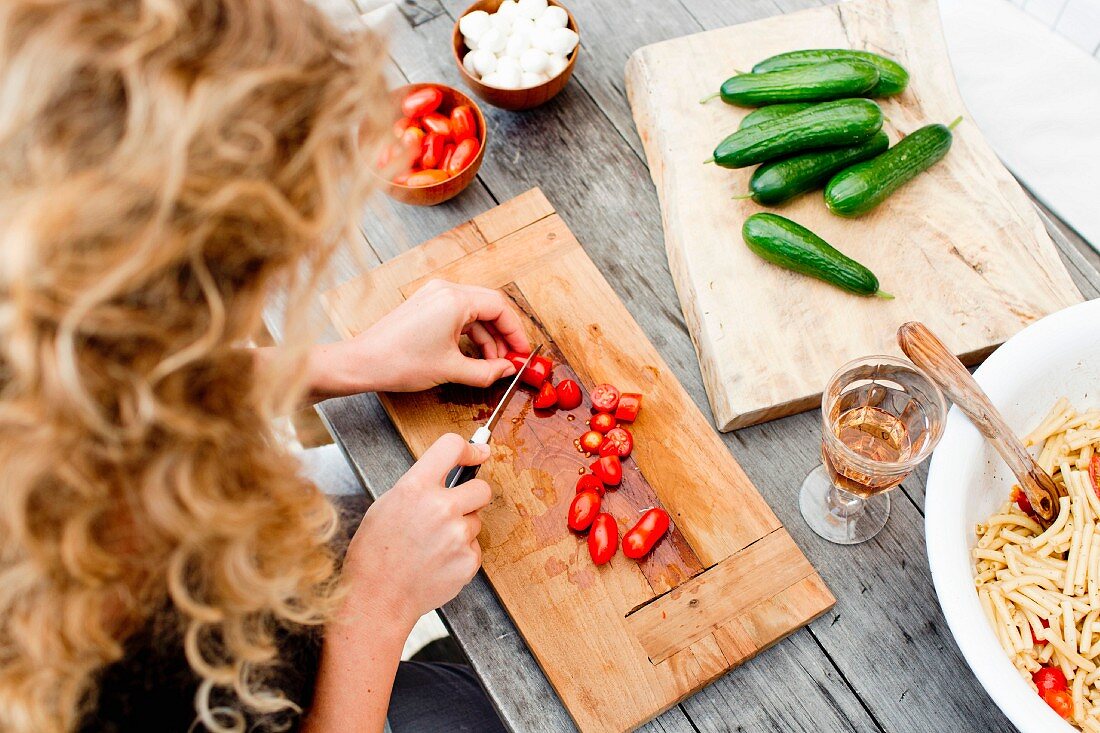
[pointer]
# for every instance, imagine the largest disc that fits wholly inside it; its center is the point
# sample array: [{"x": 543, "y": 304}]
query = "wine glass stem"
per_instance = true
[{"x": 844, "y": 504}]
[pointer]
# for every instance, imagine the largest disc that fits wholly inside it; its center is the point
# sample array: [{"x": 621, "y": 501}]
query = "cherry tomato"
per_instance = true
[
  {"x": 618, "y": 442},
  {"x": 535, "y": 374},
  {"x": 641, "y": 538},
  {"x": 605, "y": 398},
  {"x": 591, "y": 442},
  {"x": 546, "y": 398},
  {"x": 437, "y": 123},
  {"x": 629, "y": 405},
  {"x": 412, "y": 140},
  {"x": 463, "y": 122},
  {"x": 1049, "y": 679},
  {"x": 421, "y": 102},
  {"x": 1094, "y": 473},
  {"x": 608, "y": 469},
  {"x": 603, "y": 539},
  {"x": 1022, "y": 501},
  {"x": 569, "y": 394},
  {"x": 426, "y": 178},
  {"x": 434, "y": 145},
  {"x": 465, "y": 152},
  {"x": 1059, "y": 700},
  {"x": 583, "y": 509},
  {"x": 588, "y": 482},
  {"x": 403, "y": 124},
  {"x": 448, "y": 151},
  {"x": 601, "y": 422},
  {"x": 402, "y": 179}
]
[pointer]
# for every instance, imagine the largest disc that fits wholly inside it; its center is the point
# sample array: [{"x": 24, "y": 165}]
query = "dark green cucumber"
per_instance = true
[
  {"x": 817, "y": 83},
  {"x": 892, "y": 76},
  {"x": 863, "y": 186},
  {"x": 828, "y": 125},
  {"x": 783, "y": 179},
  {"x": 772, "y": 112},
  {"x": 787, "y": 244}
]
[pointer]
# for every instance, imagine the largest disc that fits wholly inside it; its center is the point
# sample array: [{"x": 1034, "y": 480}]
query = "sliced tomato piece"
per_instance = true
[
  {"x": 588, "y": 482},
  {"x": 569, "y": 394},
  {"x": 641, "y": 538},
  {"x": 618, "y": 442},
  {"x": 629, "y": 405},
  {"x": 605, "y": 398},
  {"x": 601, "y": 422},
  {"x": 1060, "y": 702},
  {"x": 535, "y": 374},
  {"x": 582, "y": 510},
  {"x": 603, "y": 539},
  {"x": 546, "y": 398},
  {"x": 591, "y": 441},
  {"x": 608, "y": 469}
]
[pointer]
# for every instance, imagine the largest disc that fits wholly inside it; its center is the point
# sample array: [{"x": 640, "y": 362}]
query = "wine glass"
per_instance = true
[{"x": 880, "y": 417}]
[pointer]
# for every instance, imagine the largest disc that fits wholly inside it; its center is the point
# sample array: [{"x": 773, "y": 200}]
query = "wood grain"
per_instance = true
[
  {"x": 539, "y": 569},
  {"x": 960, "y": 247}
]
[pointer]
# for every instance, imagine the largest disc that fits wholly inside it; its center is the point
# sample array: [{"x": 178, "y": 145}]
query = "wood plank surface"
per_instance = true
[{"x": 961, "y": 247}]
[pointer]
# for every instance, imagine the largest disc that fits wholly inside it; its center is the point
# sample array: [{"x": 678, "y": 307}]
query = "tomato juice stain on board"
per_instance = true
[{"x": 554, "y": 566}]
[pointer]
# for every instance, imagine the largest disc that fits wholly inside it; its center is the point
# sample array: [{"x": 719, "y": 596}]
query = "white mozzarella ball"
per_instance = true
[
  {"x": 492, "y": 41},
  {"x": 508, "y": 66},
  {"x": 542, "y": 40},
  {"x": 470, "y": 43},
  {"x": 563, "y": 41},
  {"x": 468, "y": 64},
  {"x": 484, "y": 61},
  {"x": 553, "y": 17},
  {"x": 492, "y": 80},
  {"x": 532, "y": 8},
  {"x": 555, "y": 64},
  {"x": 531, "y": 80},
  {"x": 508, "y": 9},
  {"x": 534, "y": 61},
  {"x": 518, "y": 43},
  {"x": 474, "y": 24},
  {"x": 502, "y": 23},
  {"x": 524, "y": 25},
  {"x": 508, "y": 78}
]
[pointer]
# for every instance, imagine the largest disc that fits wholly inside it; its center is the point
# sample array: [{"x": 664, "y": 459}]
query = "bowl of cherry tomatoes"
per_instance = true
[{"x": 439, "y": 141}]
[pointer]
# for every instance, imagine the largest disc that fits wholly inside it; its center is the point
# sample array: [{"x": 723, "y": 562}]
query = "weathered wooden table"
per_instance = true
[{"x": 883, "y": 658}]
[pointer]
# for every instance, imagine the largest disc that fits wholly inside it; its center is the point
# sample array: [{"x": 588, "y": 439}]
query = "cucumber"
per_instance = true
[
  {"x": 787, "y": 244},
  {"x": 816, "y": 83},
  {"x": 784, "y": 179},
  {"x": 829, "y": 125},
  {"x": 863, "y": 186},
  {"x": 892, "y": 76},
  {"x": 772, "y": 112}
]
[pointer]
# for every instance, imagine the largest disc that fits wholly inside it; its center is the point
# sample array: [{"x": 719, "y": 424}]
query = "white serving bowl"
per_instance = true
[{"x": 967, "y": 481}]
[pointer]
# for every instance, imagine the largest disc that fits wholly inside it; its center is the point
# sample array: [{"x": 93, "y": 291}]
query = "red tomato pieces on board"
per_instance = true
[
  {"x": 583, "y": 510},
  {"x": 588, "y": 482},
  {"x": 618, "y": 442},
  {"x": 629, "y": 405},
  {"x": 591, "y": 441},
  {"x": 603, "y": 538},
  {"x": 546, "y": 398},
  {"x": 601, "y": 422},
  {"x": 569, "y": 394},
  {"x": 437, "y": 123},
  {"x": 608, "y": 469},
  {"x": 1049, "y": 679},
  {"x": 465, "y": 152},
  {"x": 1060, "y": 701},
  {"x": 605, "y": 398},
  {"x": 421, "y": 102},
  {"x": 463, "y": 123},
  {"x": 641, "y": 538}
]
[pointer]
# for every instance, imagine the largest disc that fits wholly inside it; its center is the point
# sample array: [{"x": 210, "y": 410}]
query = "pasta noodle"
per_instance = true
[{"x": 1040, "y": 589}]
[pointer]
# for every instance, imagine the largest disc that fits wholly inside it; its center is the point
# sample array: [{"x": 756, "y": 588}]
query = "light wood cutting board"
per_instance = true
[
  {"x": 961, "y": 247},
  {"x": 623, "y": 642}
]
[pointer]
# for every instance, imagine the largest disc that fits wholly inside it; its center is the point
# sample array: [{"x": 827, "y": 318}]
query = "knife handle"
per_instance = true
[{"x": 462, "y": 474}]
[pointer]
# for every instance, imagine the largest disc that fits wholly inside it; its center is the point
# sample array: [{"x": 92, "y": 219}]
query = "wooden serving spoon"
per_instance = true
[{"x": 929, "y": 353}]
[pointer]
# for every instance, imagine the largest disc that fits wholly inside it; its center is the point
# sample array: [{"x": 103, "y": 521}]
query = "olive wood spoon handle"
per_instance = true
[{"x": 929, "y": 353}]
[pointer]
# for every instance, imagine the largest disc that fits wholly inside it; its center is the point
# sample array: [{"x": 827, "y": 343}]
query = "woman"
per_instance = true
[{"x": 165, "y": 166}]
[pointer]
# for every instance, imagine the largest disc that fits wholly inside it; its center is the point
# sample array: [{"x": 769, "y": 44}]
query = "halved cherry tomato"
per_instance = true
[
  {"x": 448, "y": 151},
  {"x": 608, "y": 469},
  {"x": 603, "y": 539},
  {"x": 569, "y": 394},
  {"x": 546, "y": 398},
  {"x": 1049, "y": 679},
  {"x": 605, "y": 398},
  {"x": 463, "y": 122},
  {"x": 591, "y": 442},
  {"x": 1060, "y": 701},
  {"x": 601, "y": 422},
  {"x": 434, "y": 145},
  {"x": 465, "y": 152},
  {"x": 1094, "y": 473},
  {"x": 618, "y": 442},
  {"x": 426, "y": 178},
  {"x": 588, "y": 482},
  {"x": 403, "y": 124},
  {"x": 629, "y": 405},
  {"x": 583, "y": 509},
  {"x": 437, "y": 123},
  {"x": 535, "y": 374},
  {"x": 421, "y": 102},
  {"x": 641, "y": 538}
]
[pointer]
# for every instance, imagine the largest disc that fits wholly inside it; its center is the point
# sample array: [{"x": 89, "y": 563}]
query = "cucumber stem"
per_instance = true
[
  {"x": 709, "y": 97},
  {"x": 884, "y": 295},
  {"x": 709, "y": 160},
  {"x": 743, "y": 196},
  {"x": 955, "y": 123}
]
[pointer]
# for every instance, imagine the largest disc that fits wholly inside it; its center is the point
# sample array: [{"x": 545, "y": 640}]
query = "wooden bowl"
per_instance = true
[
  {"x": 437, "y": 193},
  {"x": 513, "y": 99}
]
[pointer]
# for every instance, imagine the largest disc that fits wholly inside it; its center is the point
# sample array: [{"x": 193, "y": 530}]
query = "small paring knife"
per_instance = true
[{"x": 462, "y": 474}]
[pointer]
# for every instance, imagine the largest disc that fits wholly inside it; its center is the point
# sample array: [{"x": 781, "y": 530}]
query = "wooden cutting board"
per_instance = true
[
  {"x": 961, "y": 247},
  {"x": 623, "y": 642}
]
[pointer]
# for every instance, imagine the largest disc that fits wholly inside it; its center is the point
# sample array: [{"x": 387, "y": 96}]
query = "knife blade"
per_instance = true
[{"x": 462, "y": 474}]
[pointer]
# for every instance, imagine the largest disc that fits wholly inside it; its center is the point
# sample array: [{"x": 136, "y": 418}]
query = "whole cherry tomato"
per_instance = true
[
  {"x": 569, "y": 394},
  {"x": 601, "y": 422},
  {"x": 448, "y": 151},
  {"x": 463, "y": 122},
  {"x": 536, "y": 373},
  {"x": 588, "y": 482},
  {"x": 629, "y": 405},
  {"x": 605, "y": 398},
  {"x": 1049, "y": 679},
  {"x": 426, "y": 178},
  {"x": 582, "y": 510},
  {"x": 465, "y": 152},
  {"x": 641, "y": 538},
  {"x": 437, "y": 123},
  {"x": 618, "y": 442},
  {"x": 1059, "y": 700},
  {"x": 412, "y": 140},
  {"x": 421, "y": 102},
  {"x": 546, "y": 398},
  {"x": 591, "y": 442},
  {"x": 609, "y": 470},
  {"x": 403, "y": 124},
  {"x": 434, "y": 145},
  {"x": 603, "y": 538},
  {"x": 402, "y": 179}
]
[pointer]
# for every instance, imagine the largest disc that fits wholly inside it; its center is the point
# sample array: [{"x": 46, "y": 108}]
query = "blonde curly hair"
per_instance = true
[{"x": 165, "y": 165}]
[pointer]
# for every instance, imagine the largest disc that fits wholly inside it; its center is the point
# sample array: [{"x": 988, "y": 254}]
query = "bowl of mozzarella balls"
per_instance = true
[{"x": 516, "y": 54}]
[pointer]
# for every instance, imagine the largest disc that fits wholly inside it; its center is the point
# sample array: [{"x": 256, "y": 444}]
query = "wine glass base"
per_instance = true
[{"x": 837, "y": 516}]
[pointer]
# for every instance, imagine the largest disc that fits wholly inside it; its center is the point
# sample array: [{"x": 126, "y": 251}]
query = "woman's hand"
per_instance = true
[{"x": 416, "y": 346}]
